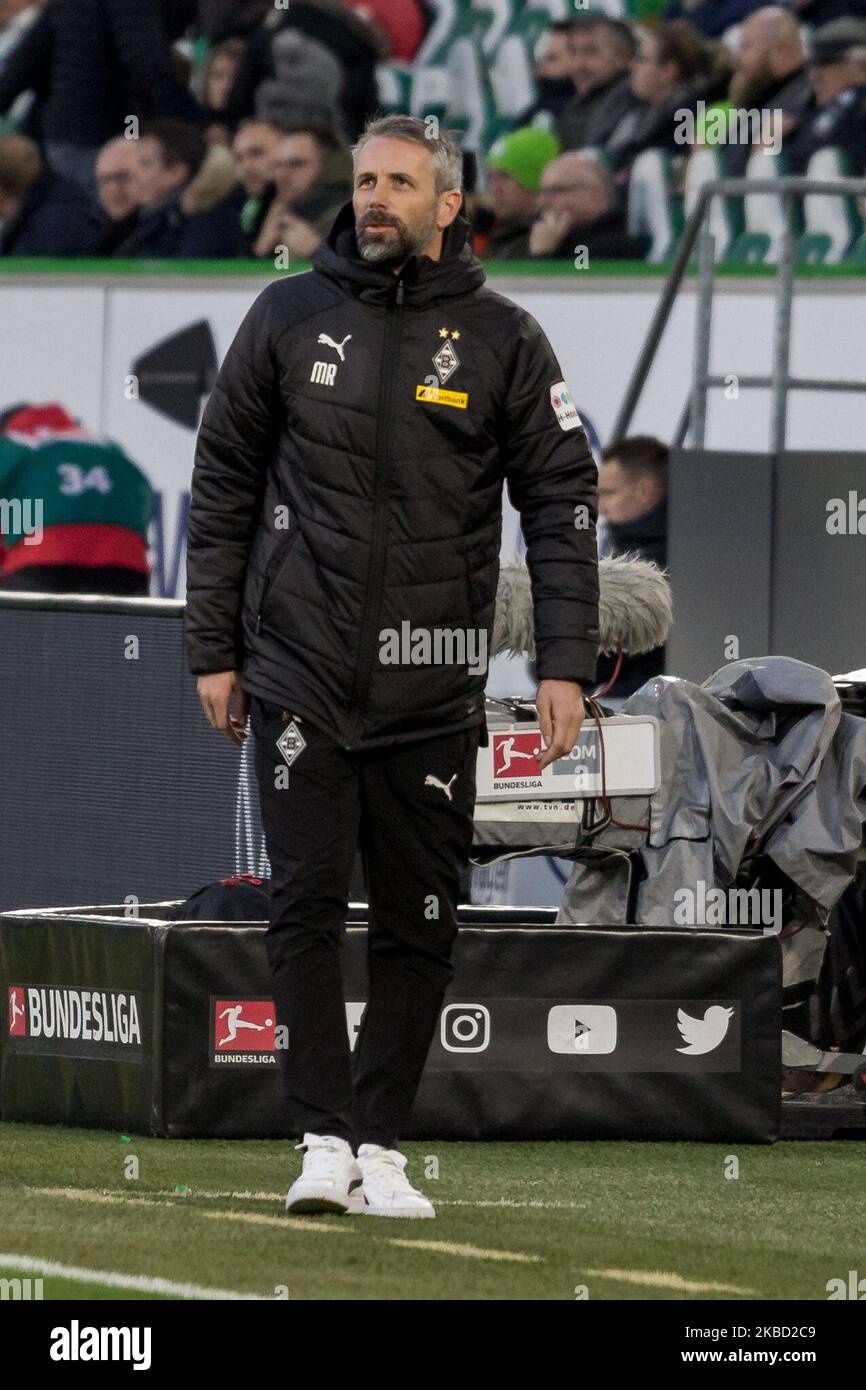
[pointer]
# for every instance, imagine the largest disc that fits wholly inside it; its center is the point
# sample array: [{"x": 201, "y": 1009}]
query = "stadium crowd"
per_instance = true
[{"x": 223, "y": 128}]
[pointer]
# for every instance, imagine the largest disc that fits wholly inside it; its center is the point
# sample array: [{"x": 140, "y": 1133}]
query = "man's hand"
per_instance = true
[
  {"x": 560, "y": 717},
  {"x": 225, "y": 703},
  {"x": 547, "y": 232}
]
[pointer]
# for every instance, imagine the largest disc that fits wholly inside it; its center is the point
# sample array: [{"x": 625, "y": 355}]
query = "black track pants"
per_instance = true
[{"x": 415, "y": 838}]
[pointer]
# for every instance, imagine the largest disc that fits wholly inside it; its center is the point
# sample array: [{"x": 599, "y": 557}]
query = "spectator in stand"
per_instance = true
[
  {"x": 41, "y": 213},
  {"x": 180, "y": 188},
  {"x": 711, "y": 17},
  {"x": 89, "y": 535},
  {"x": 348, "y": 36},
  {"x": 116, "y": 167},
  {"x": 220, "y": 71},
  {"x": 254, "y": 150},
  {"x": 313, "y": 176},
  {"x": 602, "y": 51},
  {"x": 401, "y": 21},
  {"x": 674, "y": 70},
  {"x": 837, "y": 72},
  {"x": 516, "y": 162},
  {"x": 632, "y": 500},
  {"x": 769, "y": 74},
  {"x": 577, "y": 213},
  {"x": 553, "y": 85},
  {"x": 93, "y": 64},
  {"x": 308, "y": 78}
]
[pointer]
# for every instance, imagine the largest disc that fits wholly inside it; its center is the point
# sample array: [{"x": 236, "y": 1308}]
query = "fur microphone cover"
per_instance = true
[{"x": 634, "y": 609}]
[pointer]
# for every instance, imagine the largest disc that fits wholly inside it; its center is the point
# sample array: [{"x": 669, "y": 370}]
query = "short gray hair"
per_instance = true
[{"x": 445, "y": 157}]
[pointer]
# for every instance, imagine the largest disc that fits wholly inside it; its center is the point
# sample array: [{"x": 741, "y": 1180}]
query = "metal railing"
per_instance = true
[{"x": 780, "y": 382}]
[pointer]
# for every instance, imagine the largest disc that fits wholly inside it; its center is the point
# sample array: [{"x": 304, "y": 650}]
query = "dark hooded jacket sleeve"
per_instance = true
[
  {"x": 236, "y": 443},
  {"x": 552, "y": 482}
]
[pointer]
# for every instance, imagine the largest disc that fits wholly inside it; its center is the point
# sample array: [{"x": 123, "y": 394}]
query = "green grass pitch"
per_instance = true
[{"x": 514, "y": 1221}]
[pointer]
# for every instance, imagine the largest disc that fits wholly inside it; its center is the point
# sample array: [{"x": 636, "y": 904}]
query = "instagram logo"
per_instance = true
[{"x": 465, "y": 1028}]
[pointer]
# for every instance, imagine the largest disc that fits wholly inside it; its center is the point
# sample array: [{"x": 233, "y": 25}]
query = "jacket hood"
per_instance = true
[{"x": 458, "y": 270}]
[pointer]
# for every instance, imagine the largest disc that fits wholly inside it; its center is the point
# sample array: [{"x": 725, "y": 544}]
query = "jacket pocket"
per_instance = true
[{"x": 274, "y": 568}]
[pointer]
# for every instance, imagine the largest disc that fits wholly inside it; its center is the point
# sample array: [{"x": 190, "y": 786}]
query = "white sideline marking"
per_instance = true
[
  {"x": 212, "y": 1195},
  {"x": 84, "y": 1194},
  {"x": 294, "y": 1223},
  {"x": 507, "y": 1202},
  {"x": 141, "y": 1282},
  {"x": 661, "y": 1279},
  {"x": 471, "y": 1252}
]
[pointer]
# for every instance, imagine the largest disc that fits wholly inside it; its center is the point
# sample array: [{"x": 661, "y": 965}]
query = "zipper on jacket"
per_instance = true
[
  {"x": 270, "y": 570},
  {"x": 375, "y": 575}
]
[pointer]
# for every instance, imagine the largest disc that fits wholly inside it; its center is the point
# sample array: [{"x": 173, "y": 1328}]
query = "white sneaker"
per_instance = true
[
  {"x": 387, "y": 1191},
  {"x": 331, "y": 1179}
]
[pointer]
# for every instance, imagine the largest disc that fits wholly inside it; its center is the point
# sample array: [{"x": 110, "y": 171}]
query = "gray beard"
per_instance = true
[{"x": 395, "y": 248}]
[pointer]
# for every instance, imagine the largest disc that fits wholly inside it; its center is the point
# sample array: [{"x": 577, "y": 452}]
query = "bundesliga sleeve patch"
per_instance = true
[{"x": 563, "y": 406}]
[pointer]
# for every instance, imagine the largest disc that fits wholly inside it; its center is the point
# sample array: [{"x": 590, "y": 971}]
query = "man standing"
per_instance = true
[
  {"x": 344, "y": 538},
  {"x": 632, "y": 500}
]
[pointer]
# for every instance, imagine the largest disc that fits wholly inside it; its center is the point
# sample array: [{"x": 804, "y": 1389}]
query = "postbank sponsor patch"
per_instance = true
[{"x": 436, "y": 395}]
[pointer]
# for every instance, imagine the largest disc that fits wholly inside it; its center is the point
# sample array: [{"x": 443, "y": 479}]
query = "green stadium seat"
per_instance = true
[
  {"x": 651, "y": 210},
  {"x": 825, "y": 216},
  {"x": 724, "y": 217},
  {"x": 814, "y": 248},
  {"x": 749, "y": 248},
  {"x": 470, "y": 107},
  {"x": 764, "y": 213},
  {"x": 857, "y": 253}
]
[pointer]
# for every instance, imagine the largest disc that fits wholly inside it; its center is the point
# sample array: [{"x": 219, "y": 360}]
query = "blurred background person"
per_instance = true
[
  {"x": 254, "y": 150},
  {"x": 93, "y": 64},
  {"x": 312, "y": 173},
  {"x": 554, "y": 88},
  {"x": 308, "y": 78},
  {"x": 602, "y": 50},
  {"x": 89, "y": 534},
  {"x": 515, "y": 164},
  {"x": 837, "y": 75},
  {"x": 42, "y": 214},
  {"x": 675, "y": 68},
  {"x": 180, "y": 187},
  {"x": 632, "y": 499},
  {"x": 348, "y": 36},
  {"x": 577, "y": 209},
  {"x": 220, "y": 71},
  {"x": 769, "y": 74},
  {"x": 116, "y": 190}
]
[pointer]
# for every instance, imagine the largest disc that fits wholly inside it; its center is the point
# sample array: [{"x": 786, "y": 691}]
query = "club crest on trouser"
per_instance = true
[{"x": 291, "y": 743}]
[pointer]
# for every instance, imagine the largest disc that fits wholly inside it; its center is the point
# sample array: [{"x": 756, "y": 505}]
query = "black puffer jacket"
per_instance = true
[{"x": 325, "y": 411}]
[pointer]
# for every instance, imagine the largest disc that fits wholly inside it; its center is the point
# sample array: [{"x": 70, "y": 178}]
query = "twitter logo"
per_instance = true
[{"x": 703, "y": 1034}]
